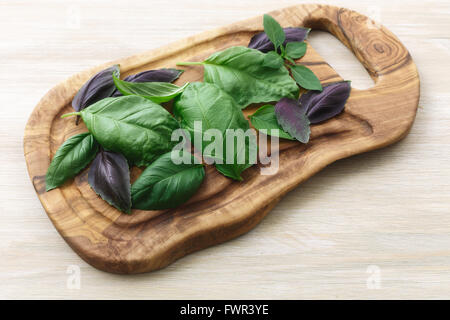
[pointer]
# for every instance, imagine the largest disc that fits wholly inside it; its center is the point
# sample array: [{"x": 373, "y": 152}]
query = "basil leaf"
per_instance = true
[
  {"x": 305, "y": 77},
  {"x": 273, "y": 60},
  {"x": 160, "y": 75},
  {"x": 100, "y": 86},
  {"x": 274, "y": 31},
  {"x": 73, "y": 155},
  {"x": 214, "y": 109},
  {"x": 261, "y": 41},
  {"x": 154, "y": 91},
  {"x": 264, "y": 118},
  {"x": 296, "y": 50},
  {"x": 293, "y": 119},
  {"x": 165, "y": 185},
  {"x": 207, "y": 104},
  {"x": 109, "y": 177},
  {"x": 136, "y": 127},
  {"x": 239, "y": 71},
  {"x": 321, "y": 106}
]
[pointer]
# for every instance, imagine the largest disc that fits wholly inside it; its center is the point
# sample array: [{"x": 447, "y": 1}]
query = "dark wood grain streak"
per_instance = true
[{"x": 223, "y": 209}]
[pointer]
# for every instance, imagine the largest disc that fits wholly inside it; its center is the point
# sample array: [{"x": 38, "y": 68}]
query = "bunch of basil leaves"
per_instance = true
[{"x": 127, "y": 126}]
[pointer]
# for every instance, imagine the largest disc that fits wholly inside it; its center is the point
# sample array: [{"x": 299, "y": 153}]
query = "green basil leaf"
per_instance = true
[
  {"x": 296, "y": 50},
  {"x": 274, "y": 31},
  {"x": 155, "y": 91},
  {"x": 243, "y": 155},
  {"x": 305, "y": 77},
  {"x": 273, "y": 60},
  {"x": 265, "y": 118},
  {"x": 136, "y": 127},
  {"x": 73, "y": 155},
  {"x": 239, "y": 71},
  {"x": 109, "y": 177},
  {"x": 214, "y": 109},
  {"x": 165, "y": 184}
]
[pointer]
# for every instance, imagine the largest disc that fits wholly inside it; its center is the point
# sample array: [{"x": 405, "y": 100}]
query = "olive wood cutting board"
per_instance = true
[{"x": 223, "y": 209}]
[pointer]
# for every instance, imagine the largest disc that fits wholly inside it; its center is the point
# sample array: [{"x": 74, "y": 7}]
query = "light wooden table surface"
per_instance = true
[{"x": 372, "y": 226}]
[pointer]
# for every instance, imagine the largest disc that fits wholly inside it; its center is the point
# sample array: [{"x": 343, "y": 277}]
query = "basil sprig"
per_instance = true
[
  {"x": 288, "y": 50},
  {"x": 293, "y": 117}
]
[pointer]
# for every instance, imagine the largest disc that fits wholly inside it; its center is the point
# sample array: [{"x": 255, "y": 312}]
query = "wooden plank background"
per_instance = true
[{"x": 373, "y": 226}]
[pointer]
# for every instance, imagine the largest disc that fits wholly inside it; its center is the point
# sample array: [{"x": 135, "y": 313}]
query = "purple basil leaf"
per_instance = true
[
  {"x": 321, "y": 106},
  {"x": 96, "y": 88},
  {"x": 109, "y": 177},
  {"x": 261, "y": 41},
  {"x": 293, "y": 119},
  {"x": 160, "y": 75}
]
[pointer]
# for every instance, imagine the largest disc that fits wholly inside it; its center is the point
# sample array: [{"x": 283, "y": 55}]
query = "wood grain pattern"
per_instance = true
[{"x": 223, "y": 209}]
